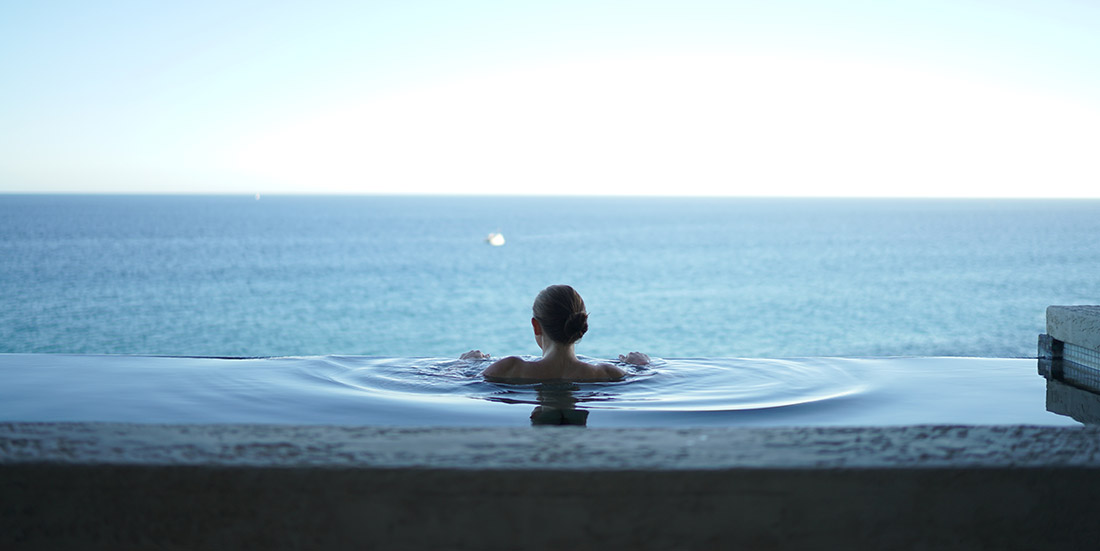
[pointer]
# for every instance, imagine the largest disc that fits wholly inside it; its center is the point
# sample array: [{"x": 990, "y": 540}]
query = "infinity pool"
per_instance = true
[{"x": 351, "y": 390}]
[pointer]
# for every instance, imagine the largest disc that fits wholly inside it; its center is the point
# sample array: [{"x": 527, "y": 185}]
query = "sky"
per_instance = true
[{"x": 929, "y": 98}]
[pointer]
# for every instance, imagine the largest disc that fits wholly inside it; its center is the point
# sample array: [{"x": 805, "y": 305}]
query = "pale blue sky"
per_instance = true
[{"x": 926, "y": 98}]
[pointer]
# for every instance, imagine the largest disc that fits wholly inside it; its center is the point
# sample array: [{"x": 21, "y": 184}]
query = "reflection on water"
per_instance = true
[
  {"x": 1076, "y": 403},
  {"x": 1073, "y": 381},
  {"x": 558, "y": 406},
  {"x": 556, "y": 402}
]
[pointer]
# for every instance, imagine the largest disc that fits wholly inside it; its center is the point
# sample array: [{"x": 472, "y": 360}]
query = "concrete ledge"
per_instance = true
[
  {"x": 107, "y": 486},
  {"x": 562, "y": 448},
  {"x": 1079, "y": 325}
]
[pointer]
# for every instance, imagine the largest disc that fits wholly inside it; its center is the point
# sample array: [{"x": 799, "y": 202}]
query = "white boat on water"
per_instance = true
[{"x": 495, "y": 239}]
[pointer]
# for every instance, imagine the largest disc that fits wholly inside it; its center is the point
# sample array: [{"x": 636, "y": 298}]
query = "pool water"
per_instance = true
[{"x": 357, "y": 390}]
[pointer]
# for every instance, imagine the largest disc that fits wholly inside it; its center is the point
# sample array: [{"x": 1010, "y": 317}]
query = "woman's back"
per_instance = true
[{"x": 514, "y": 368}]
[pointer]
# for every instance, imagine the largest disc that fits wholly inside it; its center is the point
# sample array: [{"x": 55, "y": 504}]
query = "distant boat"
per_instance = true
[{"x": 495, "y": 239}]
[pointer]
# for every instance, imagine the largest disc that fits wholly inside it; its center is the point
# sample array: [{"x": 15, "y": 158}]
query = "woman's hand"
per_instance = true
[
  {"x": 635, "y": 358},
  {"x": 474, "y": 355}
]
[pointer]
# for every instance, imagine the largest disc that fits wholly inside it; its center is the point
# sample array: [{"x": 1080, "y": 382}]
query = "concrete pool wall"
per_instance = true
[
  {"x": 144, "y": 486},
  {"x": 112, "y": 486}
]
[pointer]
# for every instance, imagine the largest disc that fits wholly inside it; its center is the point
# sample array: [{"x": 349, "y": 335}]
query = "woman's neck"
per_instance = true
[{"x": 558, "y": 352}]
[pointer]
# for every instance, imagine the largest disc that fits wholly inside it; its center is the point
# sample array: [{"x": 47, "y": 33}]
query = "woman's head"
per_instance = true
[{"x": 560, "y": 311}]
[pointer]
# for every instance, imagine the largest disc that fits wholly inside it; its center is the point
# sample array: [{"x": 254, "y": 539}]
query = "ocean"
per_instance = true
[{"x": 411, "y": 276}]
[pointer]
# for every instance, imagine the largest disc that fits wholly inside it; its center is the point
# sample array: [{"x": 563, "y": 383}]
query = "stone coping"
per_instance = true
[
  {"x": 551, "y": 448},
  {"x": 1079, "y": 325},
  {"x": 87, "y": 486}
]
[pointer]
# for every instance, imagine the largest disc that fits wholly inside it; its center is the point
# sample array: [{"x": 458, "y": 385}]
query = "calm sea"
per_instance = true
[{"x": 414, "y": 276}]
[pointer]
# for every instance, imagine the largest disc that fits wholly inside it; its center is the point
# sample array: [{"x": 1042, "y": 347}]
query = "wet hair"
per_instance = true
[{"x": 560, "y": 311}]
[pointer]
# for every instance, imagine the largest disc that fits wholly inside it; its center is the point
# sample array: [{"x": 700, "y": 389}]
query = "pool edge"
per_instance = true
[{"x": 105, "y": 485}]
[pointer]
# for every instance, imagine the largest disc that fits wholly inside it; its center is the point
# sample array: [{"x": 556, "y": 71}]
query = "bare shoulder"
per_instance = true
[
  {"x": 612, "y": 372},
  {"x": 502, "y": 368}
]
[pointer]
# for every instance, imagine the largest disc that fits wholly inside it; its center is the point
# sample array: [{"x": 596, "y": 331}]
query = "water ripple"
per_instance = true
[{"x": 689, "y": 385}]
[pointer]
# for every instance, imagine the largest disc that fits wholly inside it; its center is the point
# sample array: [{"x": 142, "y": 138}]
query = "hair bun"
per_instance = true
[
  {"x": 576, "y": 325},
  {"x": 560, "y": 311}
]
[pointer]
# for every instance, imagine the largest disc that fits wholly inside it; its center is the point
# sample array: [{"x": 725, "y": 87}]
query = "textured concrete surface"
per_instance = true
[
  {"x": 1079, "y": 325},
  {"x": 107, "y": 486},
  {"x": 575, "y": 449}
]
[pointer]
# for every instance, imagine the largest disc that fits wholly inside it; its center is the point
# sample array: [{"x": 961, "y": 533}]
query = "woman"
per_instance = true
[{"x": 559, "y": 321}]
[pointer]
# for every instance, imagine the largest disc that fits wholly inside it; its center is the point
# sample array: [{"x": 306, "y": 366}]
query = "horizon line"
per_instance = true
[{"x": 261, "y": 194}]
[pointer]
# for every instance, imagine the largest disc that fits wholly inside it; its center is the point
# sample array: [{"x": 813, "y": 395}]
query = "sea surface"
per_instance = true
[{"x": 399, "y": 276}]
